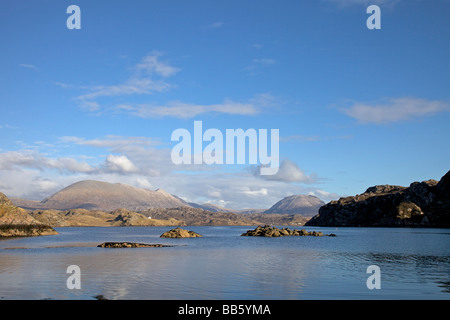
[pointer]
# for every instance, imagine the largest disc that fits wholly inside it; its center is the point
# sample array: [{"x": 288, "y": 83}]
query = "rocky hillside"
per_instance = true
[
  {"x": 200, "y": 217},
  {"x": 16, "y": 222},
  {"x": 424, "y": 203},
  {"x": 96, "y": 218},
  {"x": 305, "y": 205}
]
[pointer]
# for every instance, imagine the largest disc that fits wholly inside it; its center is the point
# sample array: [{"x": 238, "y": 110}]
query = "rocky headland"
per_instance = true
[
  {"x": 422, "y": 204},
  {"x": 16, "y": 222}
]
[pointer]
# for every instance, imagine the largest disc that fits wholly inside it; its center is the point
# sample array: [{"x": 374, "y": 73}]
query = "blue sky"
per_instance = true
[{"x": 355, "y": 107}]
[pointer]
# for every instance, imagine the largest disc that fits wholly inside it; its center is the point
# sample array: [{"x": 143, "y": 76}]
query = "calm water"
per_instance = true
[{"x": 414, "y": 264}]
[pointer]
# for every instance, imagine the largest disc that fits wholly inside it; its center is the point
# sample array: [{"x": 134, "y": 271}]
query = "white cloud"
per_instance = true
[
  {"x": 324, "y": 195},
  {"x": 119, "y": 164},
  {"x": 179, "y": 109},
  {"x": 130, "y": 87},
  {"x": 151, "y": 64},
  {"x": 395, "y": 110},
  {"x": 289, "y": 172},
  {"x": 112, "y": 141},
  {"x": 138, "y": 162},
  {"x": 17, "y": 160}
]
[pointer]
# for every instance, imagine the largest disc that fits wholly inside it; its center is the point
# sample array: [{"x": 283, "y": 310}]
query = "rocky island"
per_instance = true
[
  {"x": 268, "y": 231},
  {"x": 130, "y": 245},
  {"x": 180, "y": 233}
]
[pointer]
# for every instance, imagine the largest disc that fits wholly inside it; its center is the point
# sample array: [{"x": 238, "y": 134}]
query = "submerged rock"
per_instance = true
[
  {"x": 180, "y": 233},
  {"x": 268, "y": 231},
  {"x": 130, "y": 245}
]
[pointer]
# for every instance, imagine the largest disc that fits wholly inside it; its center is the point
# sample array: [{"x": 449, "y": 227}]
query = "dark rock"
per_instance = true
[
  {"x": 130, "y": 245},
  {"x": 422, "y": 204},
  {"x": 268, "y": 231}
]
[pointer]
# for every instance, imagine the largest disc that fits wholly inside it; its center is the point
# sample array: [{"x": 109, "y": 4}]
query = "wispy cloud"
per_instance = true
[
  {"x": 259, "y": 63},
  {"x": 178, "y": 109},
  {"x": 148, "y": 76},
  {"x": 213, "y": 25},
  {"x": 28, "y": 66},
  {"x": 395, "y": 110},
  {"x": 7, "y": 126}
]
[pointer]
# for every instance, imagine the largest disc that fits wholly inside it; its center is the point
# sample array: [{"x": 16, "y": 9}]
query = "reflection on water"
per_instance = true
[{"x": 414, "y": 264}]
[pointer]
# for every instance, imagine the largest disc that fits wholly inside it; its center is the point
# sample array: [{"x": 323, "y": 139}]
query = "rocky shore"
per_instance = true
[{"x": 268, "y": 231}]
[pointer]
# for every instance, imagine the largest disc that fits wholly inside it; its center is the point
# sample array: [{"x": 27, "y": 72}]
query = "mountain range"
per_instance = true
[{"x": 104, "y": 196}]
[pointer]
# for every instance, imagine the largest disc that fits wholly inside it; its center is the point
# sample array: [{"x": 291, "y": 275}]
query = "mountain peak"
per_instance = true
[
  {"x": 105, "y": 196},
  {"x": 306, "y": 205}
]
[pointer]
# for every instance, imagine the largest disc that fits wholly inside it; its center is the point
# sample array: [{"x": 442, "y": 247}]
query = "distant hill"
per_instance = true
[
  {"x": 104, "y": 196},
  {"x": 305, "y": 205}
]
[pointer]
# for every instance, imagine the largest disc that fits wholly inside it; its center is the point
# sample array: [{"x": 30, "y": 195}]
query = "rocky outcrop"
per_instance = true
[
  {"x": 16, "y": 222},
  {"x": 180, "y": 233},
  {"x": 130, "y": 245},
  {"x": 268, "y": 231},
  {"x": 424, "y": 204}
]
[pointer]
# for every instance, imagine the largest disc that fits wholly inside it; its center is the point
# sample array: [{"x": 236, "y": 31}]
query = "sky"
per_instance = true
[{"x": 355, "y": 107}]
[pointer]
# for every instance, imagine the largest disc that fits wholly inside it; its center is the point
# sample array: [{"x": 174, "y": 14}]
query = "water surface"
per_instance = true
[{"x": 414, "y": 264}]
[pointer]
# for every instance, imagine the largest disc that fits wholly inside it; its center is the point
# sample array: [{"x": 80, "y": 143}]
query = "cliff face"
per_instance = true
[
  {"x": 424, "y": 203},
  {"x": 16, "y": 222}
]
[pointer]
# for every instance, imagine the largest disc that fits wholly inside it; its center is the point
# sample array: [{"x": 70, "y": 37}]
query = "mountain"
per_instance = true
[
  {"x": 104, "y": 196},
  {"x": 305, "y": 205},
  {"x": 16, "y": 222},
  {"x": 425, "y": 203}
]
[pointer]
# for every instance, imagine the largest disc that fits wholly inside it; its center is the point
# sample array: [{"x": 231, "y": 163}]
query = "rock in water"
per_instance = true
[
  {"x": 180, "y": 233},
  {"x": 130, "y": 245},
  {"x": 268, "y": 231}
]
